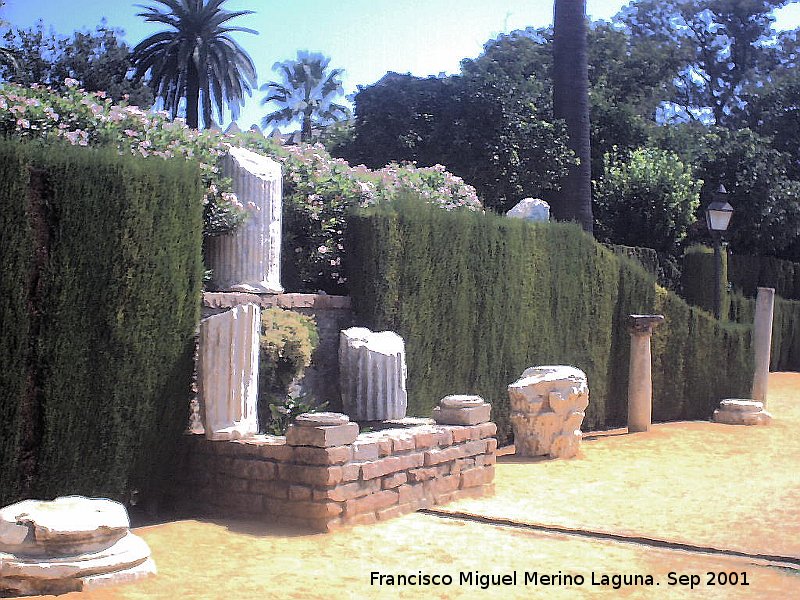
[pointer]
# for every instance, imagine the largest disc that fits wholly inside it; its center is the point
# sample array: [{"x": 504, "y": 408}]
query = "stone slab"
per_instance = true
[
  {"x": 741, "y": 405},
  {"x": 460, "y": 401},
  {"x": 321, "y": 419},
  {"x": 732, "y": 417},
  {"x": 462, "y": 416},
  {"x": 322, "y": 437}
]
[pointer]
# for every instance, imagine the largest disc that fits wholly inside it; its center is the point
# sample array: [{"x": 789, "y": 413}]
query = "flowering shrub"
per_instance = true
[
  {"x": 85, "y": 119},
  {"x": 318, "y": 190}
]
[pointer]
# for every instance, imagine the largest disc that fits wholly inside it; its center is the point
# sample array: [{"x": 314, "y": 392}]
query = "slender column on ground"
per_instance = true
[
  {"x": 762, "y": 342},
  {"x": 640, "y": 381}
]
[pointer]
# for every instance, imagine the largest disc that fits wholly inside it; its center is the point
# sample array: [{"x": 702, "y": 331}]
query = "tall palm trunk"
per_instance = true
[
  {"x": 192, "y": 96},
  {"x": 571, "y": 103}
]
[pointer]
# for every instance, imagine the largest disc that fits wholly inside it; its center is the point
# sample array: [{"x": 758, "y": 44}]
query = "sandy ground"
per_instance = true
[{"x": 703, "y": 484}]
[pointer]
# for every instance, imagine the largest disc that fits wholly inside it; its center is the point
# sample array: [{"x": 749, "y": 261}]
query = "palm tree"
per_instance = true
[
  {"x": 198, "y": 61},
  {"x": 571, "y": 103},
  {"x": 306, "y": 93}
]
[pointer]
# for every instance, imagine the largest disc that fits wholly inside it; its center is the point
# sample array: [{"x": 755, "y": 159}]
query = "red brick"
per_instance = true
[
  {"x": 348, "y": 491},
  {"x": 445, "y": 435},
  {"x": 371, "y": 503},
  {"x": 422, "y": 474},
  {"x": 299, "y": 492},
  {"x": 330, "y": 475},
  {"x": 272, "y": 489},
  {"x": 276, "y": 451},
  {"x": 401, "y": 441},
  {"x": 384, "y": 446},
  {"x": 365, "y": 450},
  {"x": 489, "y": 459},
  {"x": 394, "y": 480},
  {"x": 364, "y": 519},
  {"x": 231, "y": 484},
  {"x": 412, "y": 461},
  {"x": 425, "y": 439},
  {"x": 242, "y": 503},
  {"x": 477, "y": 476},
  {"x": 351, "y": 471},
  {"x": 475, "y": 447},
  {"x": 437, "y": 456},
  {"x": 257, "y": 469},
  {"x": 309, "y": 510},
  {"x": 381, "y": 467},
  {"x": 334, "y": 455},
  {"x": 390, "y": 513},
  {"x": 491, "y": 445},
  {"x": 442, "y": 485},
  {"x": 410, "y": 493},
  {"x": 460, "y": 434},
  {"x": 488, "y": 429}
]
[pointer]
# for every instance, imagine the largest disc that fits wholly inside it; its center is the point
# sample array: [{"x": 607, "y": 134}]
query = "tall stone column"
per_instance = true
[
  {"x": 249, "y": 259},
  {"x": 640, "y": 380},
  {"x": 228, "y": 372},
  {"x": 762, "y": 342}
]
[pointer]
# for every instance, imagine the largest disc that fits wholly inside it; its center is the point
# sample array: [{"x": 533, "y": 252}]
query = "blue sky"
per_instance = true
[{"x": 365, "y": 37}]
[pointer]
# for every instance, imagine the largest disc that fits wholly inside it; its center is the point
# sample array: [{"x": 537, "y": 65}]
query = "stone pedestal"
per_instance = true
[
  {"x": 547, "y": 410},
  {"x": 640, "y": 380},
  {"x": 228, "y": 373},
  {"x": 249, "y": 259},
  {"x": 321, "y": 430},
  {"x": 762, "y": 342},
  {"x": 66, "y": 545},
  {"x": 372, "y": 369},
  {"x": 462, "y": 410},
  {"x": 741, "y": 412}
]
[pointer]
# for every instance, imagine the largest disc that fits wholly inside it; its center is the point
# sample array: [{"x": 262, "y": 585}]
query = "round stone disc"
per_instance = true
[
  {"x": 321, "y": 419},
  {"x": 741, "y": 405},
  {"x": 460, "y": 401}
]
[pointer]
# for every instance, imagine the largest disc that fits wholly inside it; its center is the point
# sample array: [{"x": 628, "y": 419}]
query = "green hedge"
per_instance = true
[
  {"x": 697, "y": 279},
  {"x": 479, "y": 298},
  {"x": 748, "y": 273},
  {"x": 16, "y": 257},
  {"x": 785, "y": 348},
  {"x": 116, "y": 307}
]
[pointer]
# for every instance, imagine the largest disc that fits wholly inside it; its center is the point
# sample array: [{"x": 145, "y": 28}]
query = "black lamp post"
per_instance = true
[{"x": 718, "y": 216}]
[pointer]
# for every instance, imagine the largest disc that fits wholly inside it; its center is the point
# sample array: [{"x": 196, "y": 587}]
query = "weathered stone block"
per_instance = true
[
  {"x": 333, "y": 455},
  {"x": 312, "y": 475},
  {"x": 477, "y": 476},
  {"x": 371, "y": 503},
  {"x": 741, "y": 412},
  {"x": 394, "y": 480},
  {"x": 530, "y": 209},
  {"x": 547, "y": 410},
  {"x": 322, "y": 437},
  {"x": 472, "y": 415}
]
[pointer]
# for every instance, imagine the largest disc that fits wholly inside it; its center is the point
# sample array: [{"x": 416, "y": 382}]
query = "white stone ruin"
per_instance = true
[
  {"x": 741, "y": 412},
  {"x": 530, "y": 209},
  {"x": 68, "y": 544},
  {"x": 547, "y": 409},
  {"x": 372, "y": 367},
  {"x": 249, "y": 259},
  {"x": 228, "y": 373}
]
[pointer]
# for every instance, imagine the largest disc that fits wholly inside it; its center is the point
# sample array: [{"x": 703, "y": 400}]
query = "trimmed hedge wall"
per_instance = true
[
  {"x": 785, "y": 348},
  {"x": 115, "y": 298},
  {"x": 479, "y": 298},
  {"x": 748, "y": 273},
  {"x": 697, "y": 279}
]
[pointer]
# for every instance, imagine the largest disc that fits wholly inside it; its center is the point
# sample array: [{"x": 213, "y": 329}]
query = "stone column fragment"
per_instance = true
[
  {"x": 249, "y": 259},
  {"x": 640, "y": 380},
  {"x": 228, "y": 372},
  {"x": 762, "y": 342},
  {"x": 372, "y": 368},
  {"x": 547, "y": 410}
]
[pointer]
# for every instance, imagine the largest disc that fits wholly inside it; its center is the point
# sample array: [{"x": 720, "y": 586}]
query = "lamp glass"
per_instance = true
[{"x": 718, "y": 217}]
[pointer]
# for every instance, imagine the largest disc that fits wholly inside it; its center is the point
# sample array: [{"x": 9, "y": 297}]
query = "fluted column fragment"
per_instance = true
[
  {"x": 372, "y": 368},
  {"x": 249, "y": 259},
  {"x": 228, "y": 372}
]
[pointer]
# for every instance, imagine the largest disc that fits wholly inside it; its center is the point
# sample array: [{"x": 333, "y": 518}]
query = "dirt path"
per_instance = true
[{"x": 731, "y": 488}]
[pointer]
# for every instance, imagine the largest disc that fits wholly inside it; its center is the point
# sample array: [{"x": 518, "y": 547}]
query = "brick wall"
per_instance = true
[{"x": 378, "y": 476}]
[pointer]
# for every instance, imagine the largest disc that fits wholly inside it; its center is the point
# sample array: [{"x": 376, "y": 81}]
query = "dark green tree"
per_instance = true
[
  {"x": 196, "y": 61},
  {"x": 573, "y": 202},
  {"x": 99, "y": 60},
  {"x": 306, "y": 94},
  {"x": 727, "y": 48}
]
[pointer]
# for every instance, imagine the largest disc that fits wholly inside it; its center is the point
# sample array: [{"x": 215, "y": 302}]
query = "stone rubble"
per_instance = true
[
  {"x": 547, "y": 409},
  {"x": 530, "y": 209},
  {"x": 68, "y": 544},
  {"x": 741, "y": 412}
]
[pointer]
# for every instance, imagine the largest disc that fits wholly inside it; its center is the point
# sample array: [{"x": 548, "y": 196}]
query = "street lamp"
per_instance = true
[{"x": 718, "y": 216}]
